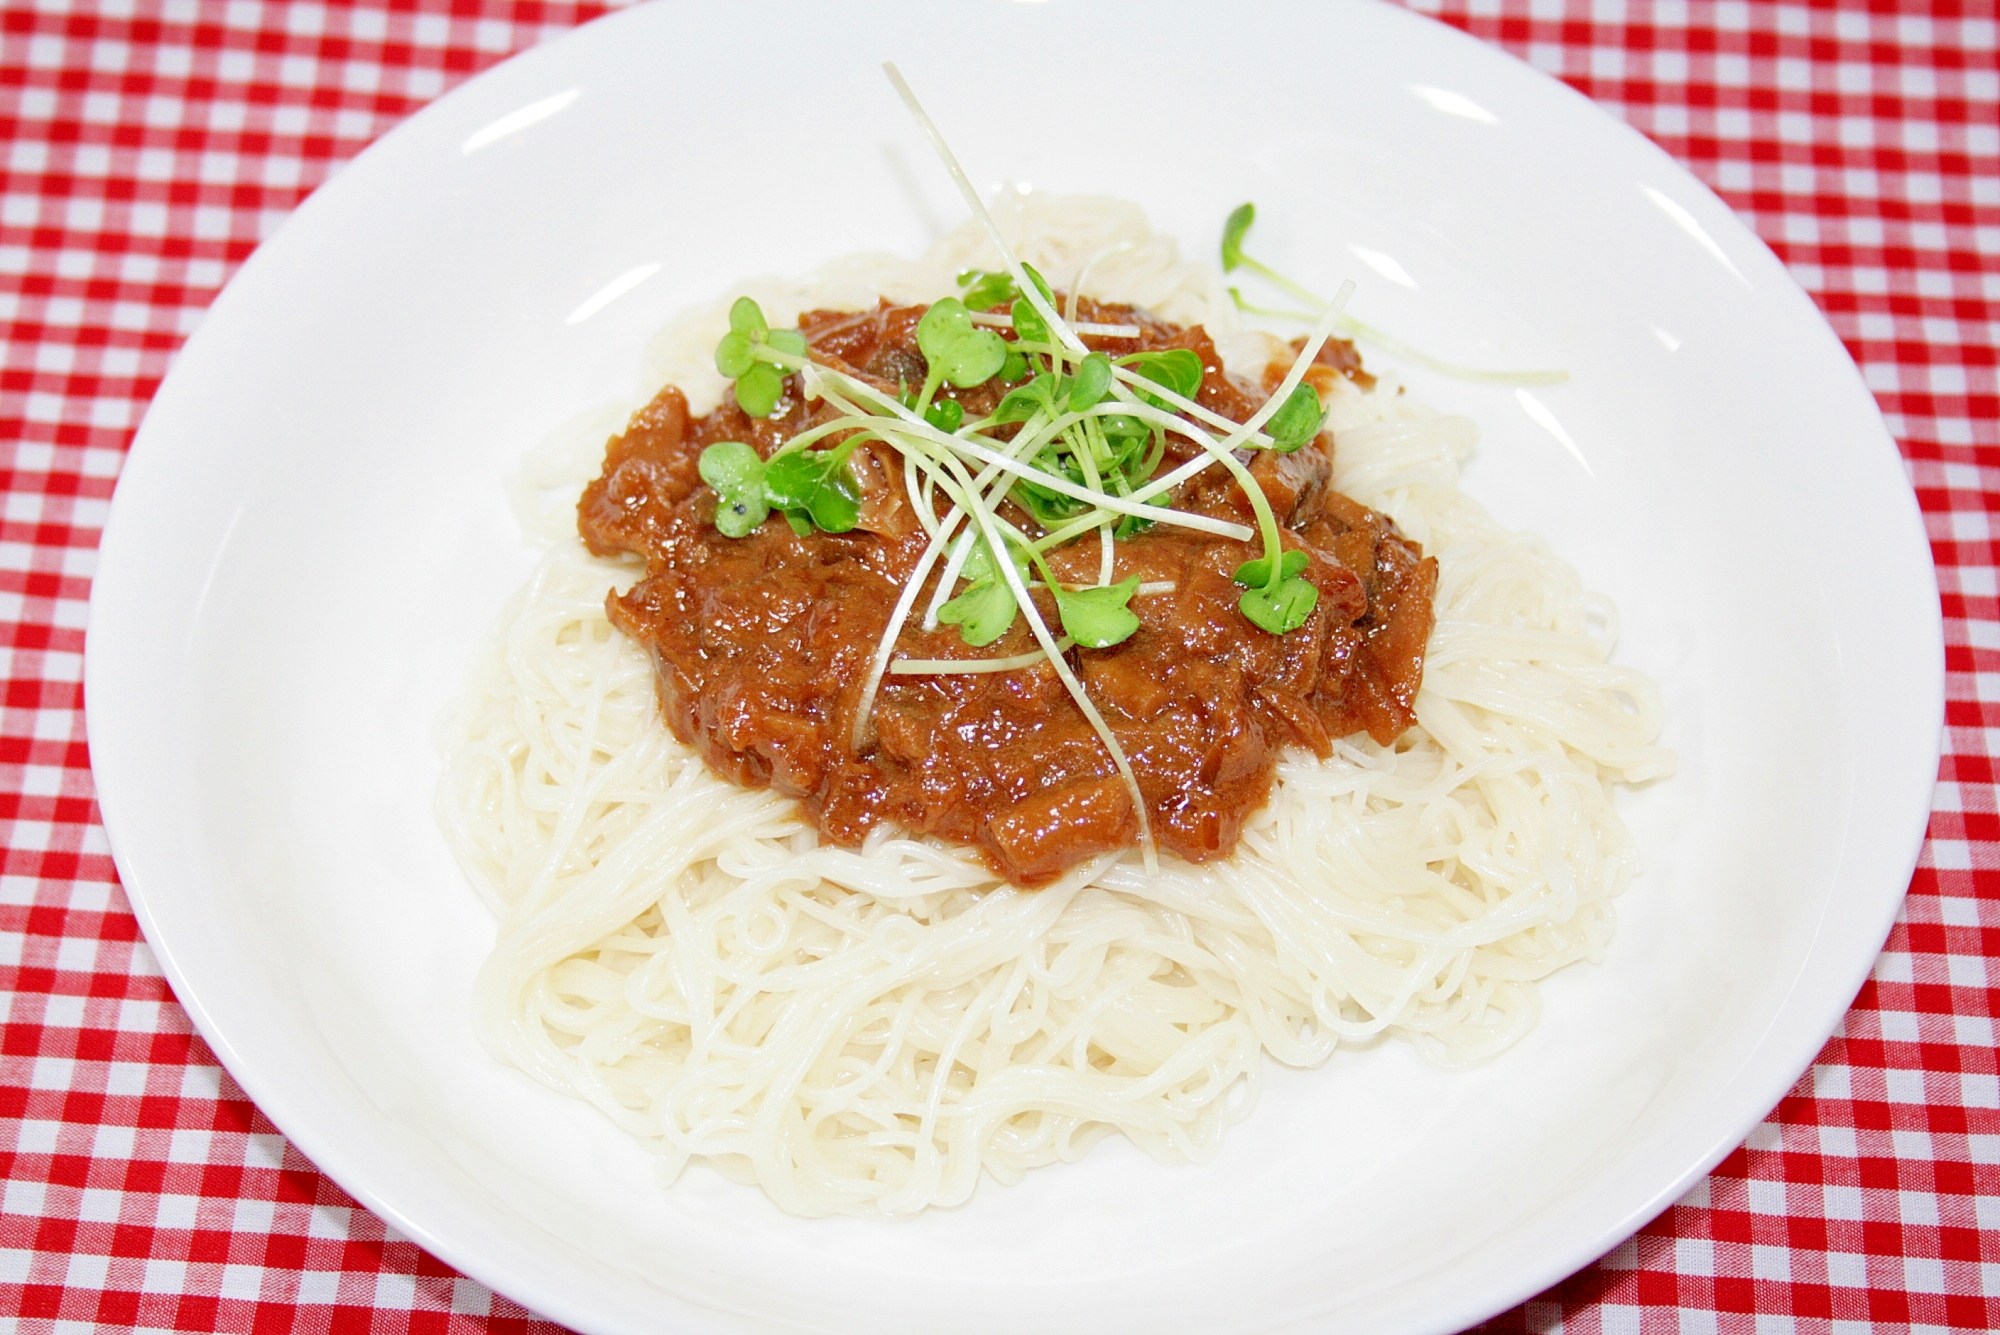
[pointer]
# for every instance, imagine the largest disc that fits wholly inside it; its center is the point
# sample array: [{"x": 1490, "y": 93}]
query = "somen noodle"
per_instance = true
[{"x": 863, "y": 1031}]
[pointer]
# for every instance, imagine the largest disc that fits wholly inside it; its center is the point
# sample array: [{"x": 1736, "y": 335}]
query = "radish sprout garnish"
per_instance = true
[{"x": 1234, "y": 257}]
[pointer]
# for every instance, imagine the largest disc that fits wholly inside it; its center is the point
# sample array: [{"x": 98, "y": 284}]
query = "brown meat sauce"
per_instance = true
[{"x": 763, "y": 643}]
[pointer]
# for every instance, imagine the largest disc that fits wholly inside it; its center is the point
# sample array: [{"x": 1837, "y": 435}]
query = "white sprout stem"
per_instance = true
[
  {"x": 1321, "y": 332},
  {"x": 1036, "y": 432},
  {"x": 961, "y": 552},
  {"x": 1212, "y": 453},
  {"x": 885, "y": 648},
  {"x": 1248, "y": 432},
  {"x": 1091, "y": 437},
  {"x": 962, "y": 494},
  {"x": 1040, "y": 630},
  {"x": 929, "y": 446},
  {"x": 1103, "y": 504},
  {"x": 906, "y": 599},
  {"x": 1267, "y": 522},
  {"x": 934, "y": 471},
  {"x": 994, "y": 483},
  {"x": 1087, "y": 457},
  {"x": 1309, "y": 297},
  {"x": 1076, "y": 292},
  {"x": 1084, "y": 328},
  {"x": 1104, "y": 500},
  {"x": 908, "y": 424},
  {"x": 1043, "y": 430},
  {"x": 939, "y": 667},
  {"x": 1028, "y": 287},
  {"x": 926, "y": 460},
  {"x": 1089, "y": 520},
  {"x": 919, "y": 495},
  {"x": 1125, "y": 378},
  {"x": 814, "y": 434}
]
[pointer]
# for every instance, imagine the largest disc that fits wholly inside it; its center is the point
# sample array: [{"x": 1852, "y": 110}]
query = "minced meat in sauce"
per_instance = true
[{"x": 763, "y": 644}]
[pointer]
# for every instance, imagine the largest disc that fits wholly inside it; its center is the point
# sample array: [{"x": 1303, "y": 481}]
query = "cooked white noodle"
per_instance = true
[{"x": 863, "y": 1032}]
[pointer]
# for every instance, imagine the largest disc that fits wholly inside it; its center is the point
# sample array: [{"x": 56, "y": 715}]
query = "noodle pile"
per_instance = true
[{"x": 862, "y": 1032}]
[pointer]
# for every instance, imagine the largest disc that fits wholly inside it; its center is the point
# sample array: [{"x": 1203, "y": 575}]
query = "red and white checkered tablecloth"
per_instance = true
[{"x": 149, "y": 144}]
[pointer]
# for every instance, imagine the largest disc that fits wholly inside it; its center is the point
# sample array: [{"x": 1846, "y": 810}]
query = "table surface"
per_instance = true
[{"x": 149, "y": 145}]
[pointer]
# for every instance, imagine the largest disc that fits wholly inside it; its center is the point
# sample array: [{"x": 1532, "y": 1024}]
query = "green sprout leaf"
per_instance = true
[
  {"x": 1234, "y": 256},
  {"x": 1048, "y": 507},
  {"x": 1092, "y": 383},
  {"x": 1232, "y": 235},
  {"x": 987, "y": 608},
  {"x": 1297, "y": 421},
  {"x": 1178, "y": 369},
  {"x": 1014, "y": 368},
  {"x": 984, "y": 291},
  {"x": 979, "y": 567},
  {"x": 746, "y": 317},
  {"x": 813, "y": 485},
  {"x": 1279, "y": 605},
  {"x": 1116, "y": 443},
  {"x": 744, "y": 356},
  {"x": 1028, "y": 322},
  {"x": 1130, "y": 462},
  {"x": 1252, "y": 574},
  {"x": 1283, "y": 609},
  {"x": 963, "y": 353},
  {"x": 759, "y": 388},
  {"x": 1097, "y": 618},
  {"x": 946, "y": 415},
  {"x": 733, "y": 470},
  {"x": 982, "y": 613},
  {"x": 730, "y": 465},
  {"x": 735, "y": 354},
  {"x": 1124, "y": 432},
  {"x": 1024, "y": 401}
]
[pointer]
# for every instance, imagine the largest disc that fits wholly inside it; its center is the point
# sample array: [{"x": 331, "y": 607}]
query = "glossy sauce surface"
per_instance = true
[{"x": 763, "y": 644}]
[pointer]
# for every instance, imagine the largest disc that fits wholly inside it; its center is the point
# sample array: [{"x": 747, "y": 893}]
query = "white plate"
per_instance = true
[{"x": 310, "y": 538}]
